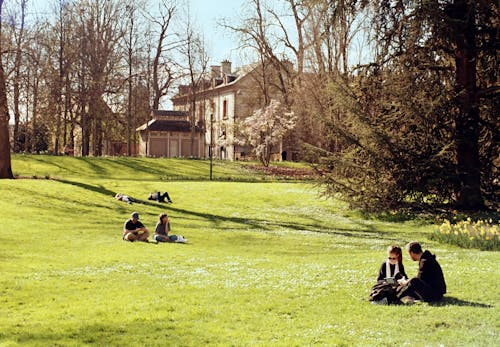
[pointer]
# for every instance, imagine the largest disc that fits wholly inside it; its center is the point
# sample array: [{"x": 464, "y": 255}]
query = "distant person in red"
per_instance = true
[
  {"x": 134, "y": 230},
  {"x": 159, "y": 197}
]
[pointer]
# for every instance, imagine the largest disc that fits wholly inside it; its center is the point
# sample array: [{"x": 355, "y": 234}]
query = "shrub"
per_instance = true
[{"x": 482, "y": 234}]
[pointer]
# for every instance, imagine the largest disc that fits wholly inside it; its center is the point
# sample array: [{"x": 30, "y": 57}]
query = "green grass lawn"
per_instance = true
[{"x": 267, "y": 263}]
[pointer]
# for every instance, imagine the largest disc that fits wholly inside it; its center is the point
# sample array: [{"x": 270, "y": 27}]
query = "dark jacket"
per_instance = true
[
  {"x": 430, "y": 272},
  {"x": 382, "y": 272}
]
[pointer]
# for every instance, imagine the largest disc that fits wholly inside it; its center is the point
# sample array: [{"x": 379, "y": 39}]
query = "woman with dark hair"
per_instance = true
[
  {"x": 393, "y": 266},
  {"x": 162, "y": 231},
  {"x": 391, "y": 271}
]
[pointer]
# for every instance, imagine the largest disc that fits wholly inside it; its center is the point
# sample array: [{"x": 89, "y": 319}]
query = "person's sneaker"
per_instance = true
[
  {"x": 181, "y": 239},
  {"x": 407, "y": 300},
  {"x": 382, "y": 301},
  {"x": 169, "y": 201}
]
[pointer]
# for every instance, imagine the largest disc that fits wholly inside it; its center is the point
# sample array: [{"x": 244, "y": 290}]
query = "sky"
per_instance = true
[
  {"x": 205, "y": 14},
  {"x": 221, "y": 44}
]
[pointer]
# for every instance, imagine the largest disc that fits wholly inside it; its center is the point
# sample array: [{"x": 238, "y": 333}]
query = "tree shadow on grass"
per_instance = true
[
  {"x": 452, "y": 301},
  {"x": 61, "y": 167},
  {"x": 101, "y": 190},
  {"x": 253, "y": 223},
  {"x": 250, "y": 223},
  {"x": 96, "y": 189}
]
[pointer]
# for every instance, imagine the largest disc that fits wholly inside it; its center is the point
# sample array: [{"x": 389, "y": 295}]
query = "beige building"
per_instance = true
[
  {"x": 168, "y": 134},
  {"x": 222, "y": 102}
]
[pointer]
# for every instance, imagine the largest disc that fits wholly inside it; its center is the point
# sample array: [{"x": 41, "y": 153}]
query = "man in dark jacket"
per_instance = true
[{"x": 429, "y": 285}]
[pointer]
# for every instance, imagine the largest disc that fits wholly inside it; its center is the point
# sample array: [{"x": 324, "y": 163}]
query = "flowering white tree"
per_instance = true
[{"x": 266, "y": 127}]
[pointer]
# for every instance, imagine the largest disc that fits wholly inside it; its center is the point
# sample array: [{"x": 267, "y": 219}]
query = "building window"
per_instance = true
[{"x": 224, "y": 109}]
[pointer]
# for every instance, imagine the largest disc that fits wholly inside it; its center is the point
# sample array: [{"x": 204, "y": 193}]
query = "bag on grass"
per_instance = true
[{"x": 384, "y": 290}]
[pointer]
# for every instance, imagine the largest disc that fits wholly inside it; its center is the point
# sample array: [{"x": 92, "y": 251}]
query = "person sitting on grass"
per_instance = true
[
  {"x": 393, "y": 266},
  {"x": 391, "y": 270},
  {"x": 159, "y": 197},
  {"x": 162, "y": 231},
  {"x": 429, "y": 285},
  {"x": 134, "y": 230}
]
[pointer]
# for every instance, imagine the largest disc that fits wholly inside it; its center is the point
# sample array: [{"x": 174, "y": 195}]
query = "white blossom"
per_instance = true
[{"x": 266, "y": 127}]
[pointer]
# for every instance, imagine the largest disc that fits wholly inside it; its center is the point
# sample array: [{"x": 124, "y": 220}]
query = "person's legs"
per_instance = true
[
  {"x": 417, "y": 289},
  {"x": 143, "y": 237},
  {"x": 129, "y": 237},
  {"x": 160, "y": 238},
  {"x": 160, "y": 197},
  {"x": 165, "y": 195}
]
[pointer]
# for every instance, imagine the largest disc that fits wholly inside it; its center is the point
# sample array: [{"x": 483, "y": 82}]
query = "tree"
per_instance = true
[
  {"x": 130, "y": 43},
  {"x": 194, "y": 52},
  {"x": 101, "y": 34},
  {"x": 417, "y": 120},
  {"x": 265, "y": 128},
  {"x": 17, "y": 74},
  {"x": 269, "y": 38},
  {"x": 163, "y": 67},
  {"x": 455, "y": 28},
  {"x": 5, "y": 163}
]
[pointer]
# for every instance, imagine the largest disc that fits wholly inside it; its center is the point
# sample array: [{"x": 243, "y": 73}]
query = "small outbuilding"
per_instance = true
[{"x": 169, "y": 134}]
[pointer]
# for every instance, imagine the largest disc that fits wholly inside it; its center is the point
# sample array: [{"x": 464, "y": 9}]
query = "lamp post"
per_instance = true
[{"x": 210, "y": 148}]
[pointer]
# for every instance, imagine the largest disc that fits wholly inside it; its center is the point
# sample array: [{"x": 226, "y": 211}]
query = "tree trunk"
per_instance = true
[
  {"x": 467, "y": 120},
  {"x": 5, "y": 164},
  {"x": 17, "y": 80}
]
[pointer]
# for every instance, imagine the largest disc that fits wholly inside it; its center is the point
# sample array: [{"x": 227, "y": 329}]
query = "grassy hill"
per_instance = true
[
  {"x": 267, "y": 264},
  {"x": 152, "y": 169}
]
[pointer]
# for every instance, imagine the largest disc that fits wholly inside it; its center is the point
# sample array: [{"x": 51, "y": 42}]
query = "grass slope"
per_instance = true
[
  {"x": 143, "y": 169},
  {"x": 268, "y": 264}
]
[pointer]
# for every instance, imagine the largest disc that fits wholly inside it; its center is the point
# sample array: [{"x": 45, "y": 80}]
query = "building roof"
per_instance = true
[
  {"x": 167, "y": 125},
  {"x": 169, "y": 113},
  {"x": 231, "y": 80}
]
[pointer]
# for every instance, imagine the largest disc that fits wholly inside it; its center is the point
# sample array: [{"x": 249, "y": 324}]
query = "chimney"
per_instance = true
[
  {"x": 183, "y": 89},
  {"x": 226, "y": 67},
  {"x": 214, "y": 71}
]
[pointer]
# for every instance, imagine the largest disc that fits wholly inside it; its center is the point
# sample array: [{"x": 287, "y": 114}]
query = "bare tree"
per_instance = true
[
  {"x": 5, "y": 163},
  {"x": 33, "y": 78},
  {"x": 19, "y": 42},
  {"x": 130, "y": 43},
  {"x": 163, "y": 66},
  {"x": 58, "y": 88},
  {"x": 194, "y": 52},
  {"x": 102, "y": 32},
  {"x": 332, "y": 26},
  {"x": 277, "y": 42}
]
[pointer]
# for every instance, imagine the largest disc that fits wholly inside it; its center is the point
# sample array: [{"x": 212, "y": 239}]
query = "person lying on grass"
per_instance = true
[
  {"x": 124, "y": 198},
  {"x": 134, "y": 230},
  {"x": 162, "y": 231},
  {"x": 160, "y": 197}
]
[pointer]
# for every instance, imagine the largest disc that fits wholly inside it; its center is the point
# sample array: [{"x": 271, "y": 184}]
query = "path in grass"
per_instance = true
[{"x": 267, "y": 264}]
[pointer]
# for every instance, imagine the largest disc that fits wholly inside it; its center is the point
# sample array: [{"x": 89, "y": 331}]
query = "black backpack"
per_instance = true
[{"x": 384, "y": 290}]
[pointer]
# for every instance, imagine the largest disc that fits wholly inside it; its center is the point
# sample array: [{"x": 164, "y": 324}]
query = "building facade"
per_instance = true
[
  {"x": 169, "y": 134},
  {"x": 220, "y": 104}
]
